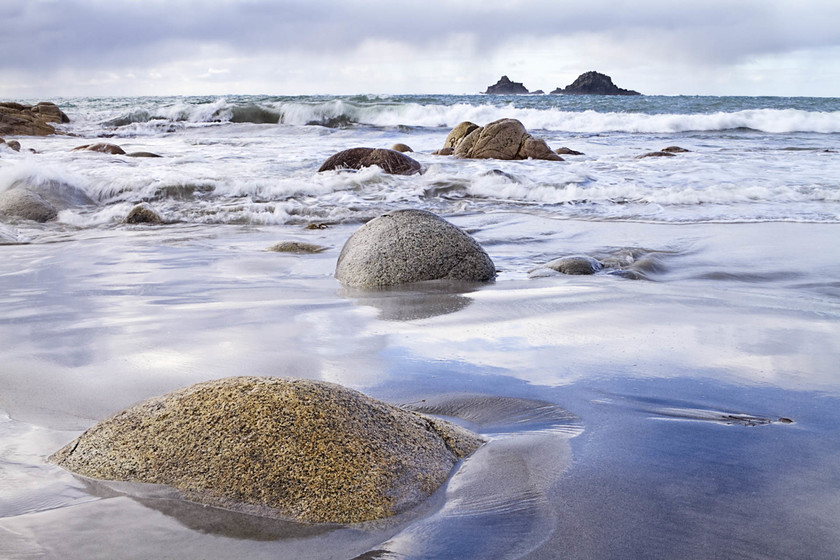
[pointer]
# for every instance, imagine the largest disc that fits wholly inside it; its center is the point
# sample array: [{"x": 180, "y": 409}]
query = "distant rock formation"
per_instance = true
[
  {"x": 593, "y": 83},
  {"x": 505, "y": 87},
  {"x": 30, "y": 120}
]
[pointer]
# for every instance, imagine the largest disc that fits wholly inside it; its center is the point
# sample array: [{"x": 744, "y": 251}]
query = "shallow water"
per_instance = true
[
  {"x": 681, "y": 403},
  {"x": 627, "y": 417}
]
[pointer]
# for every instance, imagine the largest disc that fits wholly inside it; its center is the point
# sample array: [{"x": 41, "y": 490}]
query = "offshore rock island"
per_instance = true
[
  {"x": 588, "y": 83},
  {"x": 593, "y": 83}
]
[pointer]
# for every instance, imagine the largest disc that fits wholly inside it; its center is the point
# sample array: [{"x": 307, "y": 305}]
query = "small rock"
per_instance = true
[
  {"x": 411, "y": 246},
  {"x": 143, "y": 214},
  {"x": 444, "y": 152},
  {"x": 389, "y": 161},
  {"x": 575, "y": 265},
  {"x": 564, "y": 151},
  {"x": 655, "y": 154},
  {"x": 143, "y": 155},
  {"x": 401, "y": 148},
  {"x": 102, "y": 147},
  {"x": 674, "y": 149},
  {"x": 297, "y": 247}
]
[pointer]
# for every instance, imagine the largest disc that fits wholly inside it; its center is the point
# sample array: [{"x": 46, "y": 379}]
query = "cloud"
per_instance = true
[{"x": 411, "y": 45}]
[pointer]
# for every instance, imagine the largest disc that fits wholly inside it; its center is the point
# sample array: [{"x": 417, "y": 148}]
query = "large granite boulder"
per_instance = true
[
  {"x": 411, "y": 246},
  {"x": 390, "y": 161},
  {"x": 30, "y": 120},
  {"x": 593, "y": 83},
  {"x": 291, "y": 448},
  {"x": 504, "y": 139},
  {"x": 506, "y": 87}
]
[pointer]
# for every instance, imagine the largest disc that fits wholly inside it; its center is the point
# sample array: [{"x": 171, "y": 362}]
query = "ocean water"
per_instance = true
[{"x": 685, "y": 407}]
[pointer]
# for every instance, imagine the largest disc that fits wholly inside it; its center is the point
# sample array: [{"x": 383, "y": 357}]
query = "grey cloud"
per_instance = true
[{"x": 93, "y": 34}]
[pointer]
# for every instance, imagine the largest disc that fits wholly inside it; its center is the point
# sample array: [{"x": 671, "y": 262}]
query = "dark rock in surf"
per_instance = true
[
  {"x": 11, "y": 144},
  {"x": 143, "y": 214},
  {"x": 101, "y": 147},
  {"x": 655, "y": 154},
  {"x": 503, "y": 139},
  {"x": 291, "y": 448},
  {"x": 143, "y": 155},
  {"x": 389, "y": 161},
  {"x": 407, "y": 246},
  {"x": 30, "y": 120},
  {"x": 402, "y": 148},
  {"x": 506, "y": 87},
  {"x": 593, "y": 83},
  {"x": 674, "y": 150},
  {"x": 564, "y": 151}
]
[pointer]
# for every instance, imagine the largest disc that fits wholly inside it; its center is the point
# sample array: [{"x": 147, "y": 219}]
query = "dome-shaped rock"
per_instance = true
[
  {"x": 291, "y": 448},
  {"x": 26, "y": 204},
  {"x": 390, "y": 161},
  {"x": 458, "y": 133},
  {"x": 143, "y": 213},
  {"x": 411, "y": 246},
  {"x": 575, "y": 264},
  {"x": 400, "y": 147}
]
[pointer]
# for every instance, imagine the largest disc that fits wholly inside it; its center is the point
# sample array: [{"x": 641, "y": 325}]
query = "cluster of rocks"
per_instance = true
[
  {"x": 17, "y": 119},
  {"x": 504, "y": 139},
  {"x": 670, "y": 151},
  {"x": 588, "y": 83}
]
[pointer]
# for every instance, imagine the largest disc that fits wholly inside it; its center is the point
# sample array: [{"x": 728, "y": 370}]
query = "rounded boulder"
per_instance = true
[
  {"x": 407, "y": 246},
  {"x": 296, "y": 449},
  {"x": 390, "y": 161}
]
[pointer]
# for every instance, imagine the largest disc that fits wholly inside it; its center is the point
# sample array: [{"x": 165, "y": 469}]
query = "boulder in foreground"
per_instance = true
[
  {"x": 407, "y": 246},
  {"x": 593, "y": 83},
  {"x": 291, "y": 448},
  {"x": 390, "y": 161}
]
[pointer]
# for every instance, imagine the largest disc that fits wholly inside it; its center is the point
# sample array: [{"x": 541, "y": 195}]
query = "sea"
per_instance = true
[{"x": 683, "y": 402}]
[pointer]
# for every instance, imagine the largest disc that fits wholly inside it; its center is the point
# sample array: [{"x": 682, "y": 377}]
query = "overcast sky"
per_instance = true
[{"x": 61, "y": 48}]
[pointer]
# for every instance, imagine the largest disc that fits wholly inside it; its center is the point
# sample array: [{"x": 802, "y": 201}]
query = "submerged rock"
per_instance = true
[
  {"x": 503, "y": 139},
  {"x": 564, "y": 151},
  {"x": 26, "y": 204},
  {"x": 292, "y": 448},
  {"x": 411, "y": 246},
  {"x": 399, "y": 147},
  {"x": 506, "y": 87},
  {"x": 31, "y": 198},
  {"x": 30, "y": 120},
  {"x": 296, "y": 247},
  {"x": 593, "y": 83},
  {"x": 575, "y": 265},
  {"x": 655, "y": 154},
  {"x": 674, "y": 150},
  {"x": 390, "y": 161},
  {"x": 102, "y": 147},
  {"x": 143, "y": 213}
]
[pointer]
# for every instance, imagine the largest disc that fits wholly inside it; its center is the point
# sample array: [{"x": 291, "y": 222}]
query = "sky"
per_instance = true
[{"x": 68, "y": 48}]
